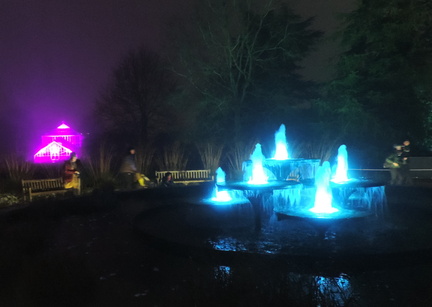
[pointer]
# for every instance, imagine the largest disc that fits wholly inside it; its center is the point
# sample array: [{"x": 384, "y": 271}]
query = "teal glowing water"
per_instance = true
[
  {"x": 221, "y": 196},
  {"x": 224, "y": 197},
  {"x": 281, "y": 144},
  {"x": 341, "y": 174},
  {"x": 331, "y": 197},
  {"x": 258, "y": 174},
  {"x": 323, "y": 196},
  {"x": 220, "y": 175}
]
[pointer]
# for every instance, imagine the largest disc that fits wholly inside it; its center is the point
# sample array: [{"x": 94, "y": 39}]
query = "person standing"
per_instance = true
[
  {"x": 394, "y": 162},
  {"x": 71, "y": 174},
  {"x": 405, "y": 166},
  {"x": 128, "y": 170}
]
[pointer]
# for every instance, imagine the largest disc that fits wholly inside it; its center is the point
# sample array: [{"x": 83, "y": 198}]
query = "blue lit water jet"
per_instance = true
[
  {"x": 282, "y": 166},
  {"x": 220, "y": 175},
  {"x": 258, "y": 174},
  {"x": 341, "y": 174},
  {"x": 221, "y": 196},
  {"x": 323, "y": 195},
  {"x": 281, "y": 144}
]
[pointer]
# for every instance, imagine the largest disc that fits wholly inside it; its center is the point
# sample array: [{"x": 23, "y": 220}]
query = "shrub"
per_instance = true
[
  {"x": 235, "y": 157},
  {"x": 8, "y": 200},
  {"x": 173, "y": 158},
  {"x": 17, "y": 168},
  {"x": 210, "y": 154},
  {"x": 98, "y": 169}
]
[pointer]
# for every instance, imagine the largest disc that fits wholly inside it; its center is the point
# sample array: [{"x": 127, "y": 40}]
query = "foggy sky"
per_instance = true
[{"x": 55, "y": 55}]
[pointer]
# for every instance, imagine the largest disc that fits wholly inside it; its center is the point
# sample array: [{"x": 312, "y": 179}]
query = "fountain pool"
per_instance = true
[{"x": 274, "y": 213}]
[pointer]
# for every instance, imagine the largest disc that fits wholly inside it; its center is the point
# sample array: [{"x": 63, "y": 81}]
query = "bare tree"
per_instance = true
[
  {"x": 134, "y": 107},
  {"x": 241, "y": 53}
]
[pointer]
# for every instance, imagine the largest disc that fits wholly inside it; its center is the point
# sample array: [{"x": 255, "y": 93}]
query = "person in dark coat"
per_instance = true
[
  {"x": 394, "y": 162},
  {"x": 128, "y": 170},
  {"x": 405, "y": 166},
  {"x": 167, "y": 180}
]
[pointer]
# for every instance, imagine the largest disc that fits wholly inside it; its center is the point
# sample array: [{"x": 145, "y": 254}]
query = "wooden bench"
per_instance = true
[
  {"x": 42, "y": 187},
  {"x": 187, "y": 177}
]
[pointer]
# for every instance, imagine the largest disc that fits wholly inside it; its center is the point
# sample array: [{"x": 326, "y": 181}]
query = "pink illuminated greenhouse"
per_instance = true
[{"x": 58, "y": 145}]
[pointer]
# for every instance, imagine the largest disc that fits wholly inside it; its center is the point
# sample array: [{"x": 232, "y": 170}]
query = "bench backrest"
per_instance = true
[
  {"x": 42, "y": 184},
  {"x": 185, "y": 175}
]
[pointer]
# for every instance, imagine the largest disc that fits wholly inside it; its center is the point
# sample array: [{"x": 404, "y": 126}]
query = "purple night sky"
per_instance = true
[{"x": 56, "y": 55}]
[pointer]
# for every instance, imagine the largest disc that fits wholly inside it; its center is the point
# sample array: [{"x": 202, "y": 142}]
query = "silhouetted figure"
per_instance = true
[
  {"x": 393, "y": 162},
  {"x": 405, "y": 166},
  {"x": 128, "y": 170},
  {"x": 167, "y": 180}
]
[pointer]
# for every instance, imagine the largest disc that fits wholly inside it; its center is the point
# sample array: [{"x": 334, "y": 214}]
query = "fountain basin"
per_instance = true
[
  {"x": 270, "y": 186},
  {"x": 341, "y": 214},
  {"x": 403, "y": 235},
  {"x": 282, "y": 169},
  {"x": 356, "y": 183}
]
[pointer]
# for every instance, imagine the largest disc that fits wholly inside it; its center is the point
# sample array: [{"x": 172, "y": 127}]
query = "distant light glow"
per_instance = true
[
  {"x": 58, "y": 145},
  {"x": 323, "y": 196},
  {"x": 341, "y": 174},
  {"x": 63, "y": 126},
  {"x": 53, "y": 152},
  {"x": 258, "y": 173},
  {"x": 281, "y": 144}
]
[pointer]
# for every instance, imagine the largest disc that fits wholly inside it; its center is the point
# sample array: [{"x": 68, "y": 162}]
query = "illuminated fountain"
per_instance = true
[
  {"x": 328, "y": 225},
  {"x": 328, "y": 197},
  {"x": 361, "y": 196},
  {"x": 337, "y": 196},
  {"x": 282, "y": 166},
  {"x": 258, "y": 189},
  {"x": 277, "y": 215},
  {"x": 319, "y": 195},
  {"x": 223, "y": 197},
  {"x": 224, "y": 209}
]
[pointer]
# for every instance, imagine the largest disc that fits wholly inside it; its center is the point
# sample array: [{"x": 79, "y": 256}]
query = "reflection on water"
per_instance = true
[
  {"x": 227, "y": 244},
  {"x": 336, "y": 289},
  {"x": 312, "y": 284},
  {"x": 222, "y": 273},
  {"x": 322, "y": 290}
]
